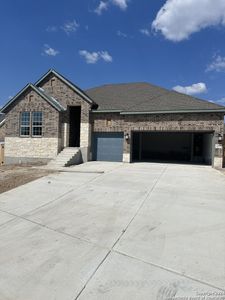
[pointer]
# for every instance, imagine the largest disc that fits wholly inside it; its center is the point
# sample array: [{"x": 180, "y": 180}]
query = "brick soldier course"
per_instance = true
[{"x": 114, "y": 108}]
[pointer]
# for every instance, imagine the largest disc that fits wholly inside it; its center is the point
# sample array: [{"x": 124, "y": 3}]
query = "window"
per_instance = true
[
  {"x": 25, "y": 123},
  {"x": 31, "y": 126},
  {"x": 37, "y": 124}
]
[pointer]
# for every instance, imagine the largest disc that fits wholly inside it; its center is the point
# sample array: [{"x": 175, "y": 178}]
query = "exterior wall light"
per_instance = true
[
  {"x": 127, "y": 136},
  {"x": 220, "y": 138}
]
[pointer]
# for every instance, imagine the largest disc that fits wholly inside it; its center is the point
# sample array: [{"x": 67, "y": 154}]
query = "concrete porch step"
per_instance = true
[{"x": 67, "y": 157}]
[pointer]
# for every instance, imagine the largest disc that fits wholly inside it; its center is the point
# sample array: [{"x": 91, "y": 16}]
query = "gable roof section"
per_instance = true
[
  {"x": 142, "y": 98},
  {"x": 53, "y": 102},
  {"x": 68, "y": 83}
]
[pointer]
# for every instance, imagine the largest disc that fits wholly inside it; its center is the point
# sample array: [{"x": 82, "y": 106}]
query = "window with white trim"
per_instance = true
[
  {"x": 36, "y": 123},
  {"x": 31, "y": 124},
  {"x": 25, "y": 123}
]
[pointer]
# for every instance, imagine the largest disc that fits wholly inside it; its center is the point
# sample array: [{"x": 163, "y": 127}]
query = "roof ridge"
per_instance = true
[{"x": 122, "y": 83}]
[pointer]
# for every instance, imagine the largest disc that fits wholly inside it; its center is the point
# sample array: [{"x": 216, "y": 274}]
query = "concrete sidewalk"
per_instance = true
[{"x": 136, "y": 231}]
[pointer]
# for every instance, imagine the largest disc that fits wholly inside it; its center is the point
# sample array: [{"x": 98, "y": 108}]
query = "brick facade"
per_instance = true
[
  {"x": 114, "y": 122},
  {"x": 68, "y": 97},
  {"x": 55, "y": 124},
  {"x": 31, "y": 101},
  {"x": 23, "y": 149}
]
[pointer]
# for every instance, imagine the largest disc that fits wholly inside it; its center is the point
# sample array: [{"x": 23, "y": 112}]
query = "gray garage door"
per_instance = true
[{"x": 107, "y": 146}]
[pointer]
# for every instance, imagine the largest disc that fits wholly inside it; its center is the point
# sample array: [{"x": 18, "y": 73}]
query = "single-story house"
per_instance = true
[{"x": 118, "y": 122}]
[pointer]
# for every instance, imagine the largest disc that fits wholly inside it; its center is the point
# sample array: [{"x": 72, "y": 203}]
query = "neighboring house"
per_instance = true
[
  {"x": 2, "y": 128},
  {"x": 121, "y": 122}
]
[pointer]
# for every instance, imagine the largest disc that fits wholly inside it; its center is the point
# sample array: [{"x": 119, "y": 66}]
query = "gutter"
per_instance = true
[
  {"x": 106, "y": 111},
  {"x": 157, "y": 112},
  {"x": 2, "y": 123},
  {"x": 171, "y": 112}
]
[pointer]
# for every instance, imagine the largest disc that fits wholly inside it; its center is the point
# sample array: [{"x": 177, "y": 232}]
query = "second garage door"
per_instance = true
[
  {"x": 107, "y": 146},
  {"x": 194, "y": 147}
]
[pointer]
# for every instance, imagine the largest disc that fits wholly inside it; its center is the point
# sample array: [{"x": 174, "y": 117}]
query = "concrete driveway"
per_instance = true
[{"x": 136, "y": 231}]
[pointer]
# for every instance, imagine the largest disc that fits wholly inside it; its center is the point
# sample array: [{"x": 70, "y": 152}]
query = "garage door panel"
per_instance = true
[
  {"x": 193, "y": 147},
  {"x": 107, "y": 146}
]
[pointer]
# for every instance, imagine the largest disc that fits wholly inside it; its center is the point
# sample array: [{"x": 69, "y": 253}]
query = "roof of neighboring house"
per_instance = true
[
  {"x": 52, "y": 101},
  {"x": 131, "y": 98},
  {"x": 68, "y": 83}
]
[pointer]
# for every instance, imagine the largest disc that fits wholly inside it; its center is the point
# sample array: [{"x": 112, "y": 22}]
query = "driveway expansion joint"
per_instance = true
[
  {"x": 51, "y": 229},
  {"x": 147, "y": 196},
  {"x": 169, "y": 270},
  {"x": 123, "y": 231},
  {"x": 92, "y": 275}
]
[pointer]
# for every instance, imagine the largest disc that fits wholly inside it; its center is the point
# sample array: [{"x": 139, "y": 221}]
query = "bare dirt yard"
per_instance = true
[{"x": 12, "y": 176}]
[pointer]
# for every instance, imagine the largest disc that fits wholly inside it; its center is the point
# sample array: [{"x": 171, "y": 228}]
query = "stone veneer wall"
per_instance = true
[
  {"x": 23, "y": 149},
  {"x": 114, "y": 122},
  {"x": 19, "y": 150},
  {"x": 68, "y": 97}
]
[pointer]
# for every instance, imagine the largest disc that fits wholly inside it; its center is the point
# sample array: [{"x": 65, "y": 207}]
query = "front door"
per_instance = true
[{"x": 75, "y": 116}]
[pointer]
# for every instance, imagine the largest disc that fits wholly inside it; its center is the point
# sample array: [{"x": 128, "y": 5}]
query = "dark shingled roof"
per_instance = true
[{"x": 145, "y": 97}]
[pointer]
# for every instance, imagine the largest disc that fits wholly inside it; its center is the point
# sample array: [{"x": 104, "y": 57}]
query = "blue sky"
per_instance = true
[{"x": 174, "y": 43}]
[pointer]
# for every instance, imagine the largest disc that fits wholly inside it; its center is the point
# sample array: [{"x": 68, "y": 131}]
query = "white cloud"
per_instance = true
[
  {"x": 145, "y": 31},
  {"x": 70, "y": 26},
  {"x": 101, "y": 7},
  {"x": 90, "y": 57},
  {"x": 104, "y": 5},
  {"x": 50, "y": 51},
  {"x": 178, "y": 19},
  {"x": 51, "y": 29},
  {"x": 218, "y": 64},
  {"x": 122, "y": 4},
  {"x": 196, "y": 88},
  {"x": 121, "y": 34},
  {"x": 94, "y": 57},
  {"x": 220, "y": 101},
  {"x": 105, "y": 56}
]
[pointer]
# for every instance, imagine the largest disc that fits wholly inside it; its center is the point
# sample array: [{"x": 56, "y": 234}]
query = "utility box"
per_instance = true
[{"x": 2, "y": 146}]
